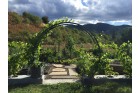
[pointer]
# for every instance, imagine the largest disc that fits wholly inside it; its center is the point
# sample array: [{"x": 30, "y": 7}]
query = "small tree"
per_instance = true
[
  {"x": 90, "y": 64},
  {"x": 45, "y": 19}
]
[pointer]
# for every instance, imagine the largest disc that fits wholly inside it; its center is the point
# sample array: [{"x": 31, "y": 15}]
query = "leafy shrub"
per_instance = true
[
  {"x": 48, "y": 55},
  {"x": 125, "y": 56},
  {"x": 97, "y": 51},
  {"x": 91, "y": 65},
  {"x": 16, "y": 57}
]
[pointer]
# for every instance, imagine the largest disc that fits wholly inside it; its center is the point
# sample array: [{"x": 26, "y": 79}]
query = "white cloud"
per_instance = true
[
  {"x": 91, "y": 11},
  {"x": 121, "y": 22}
]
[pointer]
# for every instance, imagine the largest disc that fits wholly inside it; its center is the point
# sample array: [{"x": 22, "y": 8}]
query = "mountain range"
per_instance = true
[{"x": 100, "y": 27}]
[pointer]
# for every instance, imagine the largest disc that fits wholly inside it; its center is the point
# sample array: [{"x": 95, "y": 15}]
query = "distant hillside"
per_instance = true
[
  {"x": 101, "y": 27},
  {"x": 20, "y": 26}
]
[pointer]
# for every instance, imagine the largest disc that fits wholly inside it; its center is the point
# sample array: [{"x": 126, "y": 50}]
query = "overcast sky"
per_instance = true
[{"x": 116, "y": 12}]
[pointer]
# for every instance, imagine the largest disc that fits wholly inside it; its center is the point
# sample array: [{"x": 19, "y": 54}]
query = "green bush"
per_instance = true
[
  {"x": 91, "y": 65},
  {"x": 47, "y": 55},
  {"x": 16, "y": 57},
  {"x": 125, "y": 56}
]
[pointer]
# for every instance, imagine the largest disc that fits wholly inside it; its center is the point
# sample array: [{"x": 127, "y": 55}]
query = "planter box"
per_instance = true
[
  {"x": 23, "y": 80},
  {"x": 36, "y": 72}
]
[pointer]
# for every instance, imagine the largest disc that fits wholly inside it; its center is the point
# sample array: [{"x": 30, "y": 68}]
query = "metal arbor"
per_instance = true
[{"x": 39, "y": 38}]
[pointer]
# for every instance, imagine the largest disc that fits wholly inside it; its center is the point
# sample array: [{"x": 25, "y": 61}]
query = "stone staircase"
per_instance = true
[{"x": 59, "y": 73}]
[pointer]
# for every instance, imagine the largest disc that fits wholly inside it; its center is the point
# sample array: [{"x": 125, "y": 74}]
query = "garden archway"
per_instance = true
[{"x": 37, "y": 39}]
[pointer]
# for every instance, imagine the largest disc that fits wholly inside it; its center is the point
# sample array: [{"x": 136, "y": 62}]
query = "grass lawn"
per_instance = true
[{"x": 108, "y": 87}]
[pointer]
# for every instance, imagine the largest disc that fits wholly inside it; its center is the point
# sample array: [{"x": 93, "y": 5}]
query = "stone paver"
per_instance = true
[
  {"x": 68, "y": 67},
  {"x": 58, "y": 73},
  {"x": 72, "y": 72},
  {"x": 71, "y": 66},
  {"x": 59, "y": 69},
  {"x": 64, "y": 77},
  {"x": 57, "y": 65}
]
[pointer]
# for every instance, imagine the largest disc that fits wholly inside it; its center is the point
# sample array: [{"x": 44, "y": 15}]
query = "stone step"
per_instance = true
[
  {"x": 72, "y": 72},
  {"x": 63, "y": 77},
  {"x": 57, "y": 65},
  {"x": 71, "y": 66},
  {"x": 58, "y": 73},
  {"x": 59, "y": 69},
  {"x": 56, "y": 81}
]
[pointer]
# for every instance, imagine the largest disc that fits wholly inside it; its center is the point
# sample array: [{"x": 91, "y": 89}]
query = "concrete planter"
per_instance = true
[{"x": 36, "y": 72}]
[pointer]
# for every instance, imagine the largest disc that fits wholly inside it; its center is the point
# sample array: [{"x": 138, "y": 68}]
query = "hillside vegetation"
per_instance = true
[{"x": 21, "y": 27}]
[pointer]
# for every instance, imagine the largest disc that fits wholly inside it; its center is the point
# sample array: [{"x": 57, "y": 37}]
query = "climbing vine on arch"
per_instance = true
[{"x": 33, "y": 50}]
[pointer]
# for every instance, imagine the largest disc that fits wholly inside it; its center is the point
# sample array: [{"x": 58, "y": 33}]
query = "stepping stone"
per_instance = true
[
  {"x": 72, "y": 72},
  {"x": 57, "y": 65},
  {"x": 59, "y": 69},
  {"x": 58, "y": 73}
]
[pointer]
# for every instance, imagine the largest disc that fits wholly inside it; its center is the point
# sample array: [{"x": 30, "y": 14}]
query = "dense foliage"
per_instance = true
[
  {"x": 125, "y": 56},
  {"x": 17, "y": 57},
  {"x": 91, "y": 64}
]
